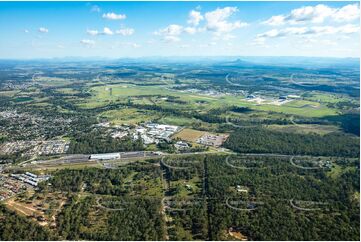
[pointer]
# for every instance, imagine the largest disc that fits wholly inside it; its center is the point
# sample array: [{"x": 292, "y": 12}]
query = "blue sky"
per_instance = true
[{"x": 136, "y": 29}]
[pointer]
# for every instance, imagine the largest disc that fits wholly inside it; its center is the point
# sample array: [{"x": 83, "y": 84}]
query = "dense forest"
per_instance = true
[
  {"x": 82, "y": 220},
  {"x": 274, "y": 187},
  {"x": 108, "y": 204},
  {"x": 191, "y": 217},
  {"x": 93, "y": 216},
  {"x": 261, "y": 140},
  {"x": 15, "y": 227},
  {"x": 95, "y": 142}
]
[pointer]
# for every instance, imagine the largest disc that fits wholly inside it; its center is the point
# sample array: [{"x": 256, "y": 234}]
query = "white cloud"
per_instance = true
[
  {"x": 316, "y": 30},
  {"x": 171, "y": 30},
  {"x": 269, "y": 34},
  {"x": 350, "y": 28},
  {"x": 226, "y": 37},
  {"x": 43, "y": 30},
  {"x": 345, "y": 29},
  {"x": 176, "y": 30},
  {"x": 259, "y": 41},
  {"x": 135, "y": 45},
  {"x": 114, "y": 16},
  {"x": 217, "y": 20},
  {"x": 275, "y": 20},
  {"x": 92, "y": 32},
  {"x": 107, "y": 31},
  {"x": 26, "y": 31},
  {"x": 316, "y": 14},
  {"x": 125, "y": 31},
  {"x": 87, "y": 42},
  {"x": 194, "y": 18},
  {"x": 347, "y": 13},
  {"x": 95, "y": 8},
  {"x": 190, "y": 30},
  {"x": 170, "y": 38}
]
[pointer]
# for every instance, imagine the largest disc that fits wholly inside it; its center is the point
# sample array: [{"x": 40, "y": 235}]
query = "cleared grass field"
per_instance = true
[
  {"x": 181, "y": 187},
  {"x": 52, "y": 81},
  {"x": 325, "y": 98},
  {"x": 8, "y": 93},
  {"x": 62, "y": 166},
  {"x": 101, "y": 96},
  {"x": 22, "y": 209},
  {"x": 305, "y": 128},
  {"x": 179, "y": 121},
  {"x": 190, "y": 135},
  {"x": 67, "y": 91},
  {"x": 44, "y": 205},
  {"x": 337, "y": 171},
  {"x": 299, "y": 107},
  {"x": 129, "y": 116}
]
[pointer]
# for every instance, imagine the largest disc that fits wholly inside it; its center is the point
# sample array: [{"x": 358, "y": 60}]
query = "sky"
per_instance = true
[{"x": 140, "y": 29}]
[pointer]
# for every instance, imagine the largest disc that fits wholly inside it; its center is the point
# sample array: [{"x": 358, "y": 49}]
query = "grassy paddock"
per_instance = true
[
  {"x": 305, "y": 128},
  {"x": 101, "y": 96},
  {"x": 190, "y": 135}
]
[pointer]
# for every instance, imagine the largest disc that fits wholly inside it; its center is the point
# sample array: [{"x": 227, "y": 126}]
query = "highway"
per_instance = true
[
  {"x": 84, "y": 159},
  {"x": 125, "y": 158}
]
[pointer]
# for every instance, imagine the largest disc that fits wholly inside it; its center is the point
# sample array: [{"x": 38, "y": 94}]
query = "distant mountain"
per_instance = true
[
  {"x": 305, "y": 62},
  {"x": 245, "y": 61}
]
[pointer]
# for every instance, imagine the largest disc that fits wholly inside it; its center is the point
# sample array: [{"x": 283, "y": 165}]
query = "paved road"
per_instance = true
[
  {"x": 84, "y": 159},
  {"x": 136, "y": 155}
]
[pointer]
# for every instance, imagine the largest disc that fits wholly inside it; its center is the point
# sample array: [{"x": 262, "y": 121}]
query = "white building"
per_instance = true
[
  {"x": 148, "y": 140},
  {"x": 119, "y": 134},
  {"x": 106, "y": 156},
  {"x": 180, "y": 145},
  {"x": 31, "y": 174},
  {"x": 140, "y": 130}
]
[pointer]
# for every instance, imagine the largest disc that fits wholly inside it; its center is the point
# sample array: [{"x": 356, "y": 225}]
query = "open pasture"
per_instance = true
[
  {"x": 129, "y": 116},
  {"x": 190, "y": 135},
  {"x": 101, "y": 95}
]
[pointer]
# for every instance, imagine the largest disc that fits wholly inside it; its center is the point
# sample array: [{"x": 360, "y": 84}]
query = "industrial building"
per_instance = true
[
  {"x": 181, "y": 145},
  {"x": 154, "y": 133},
  {"x": 105, "y": 156},
  {"x": 30, "y": 178},
  {"x": 212, "y": 139}
]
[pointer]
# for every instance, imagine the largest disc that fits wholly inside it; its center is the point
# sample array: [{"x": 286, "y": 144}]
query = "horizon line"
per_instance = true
[{"x": 180, "y": 57}]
